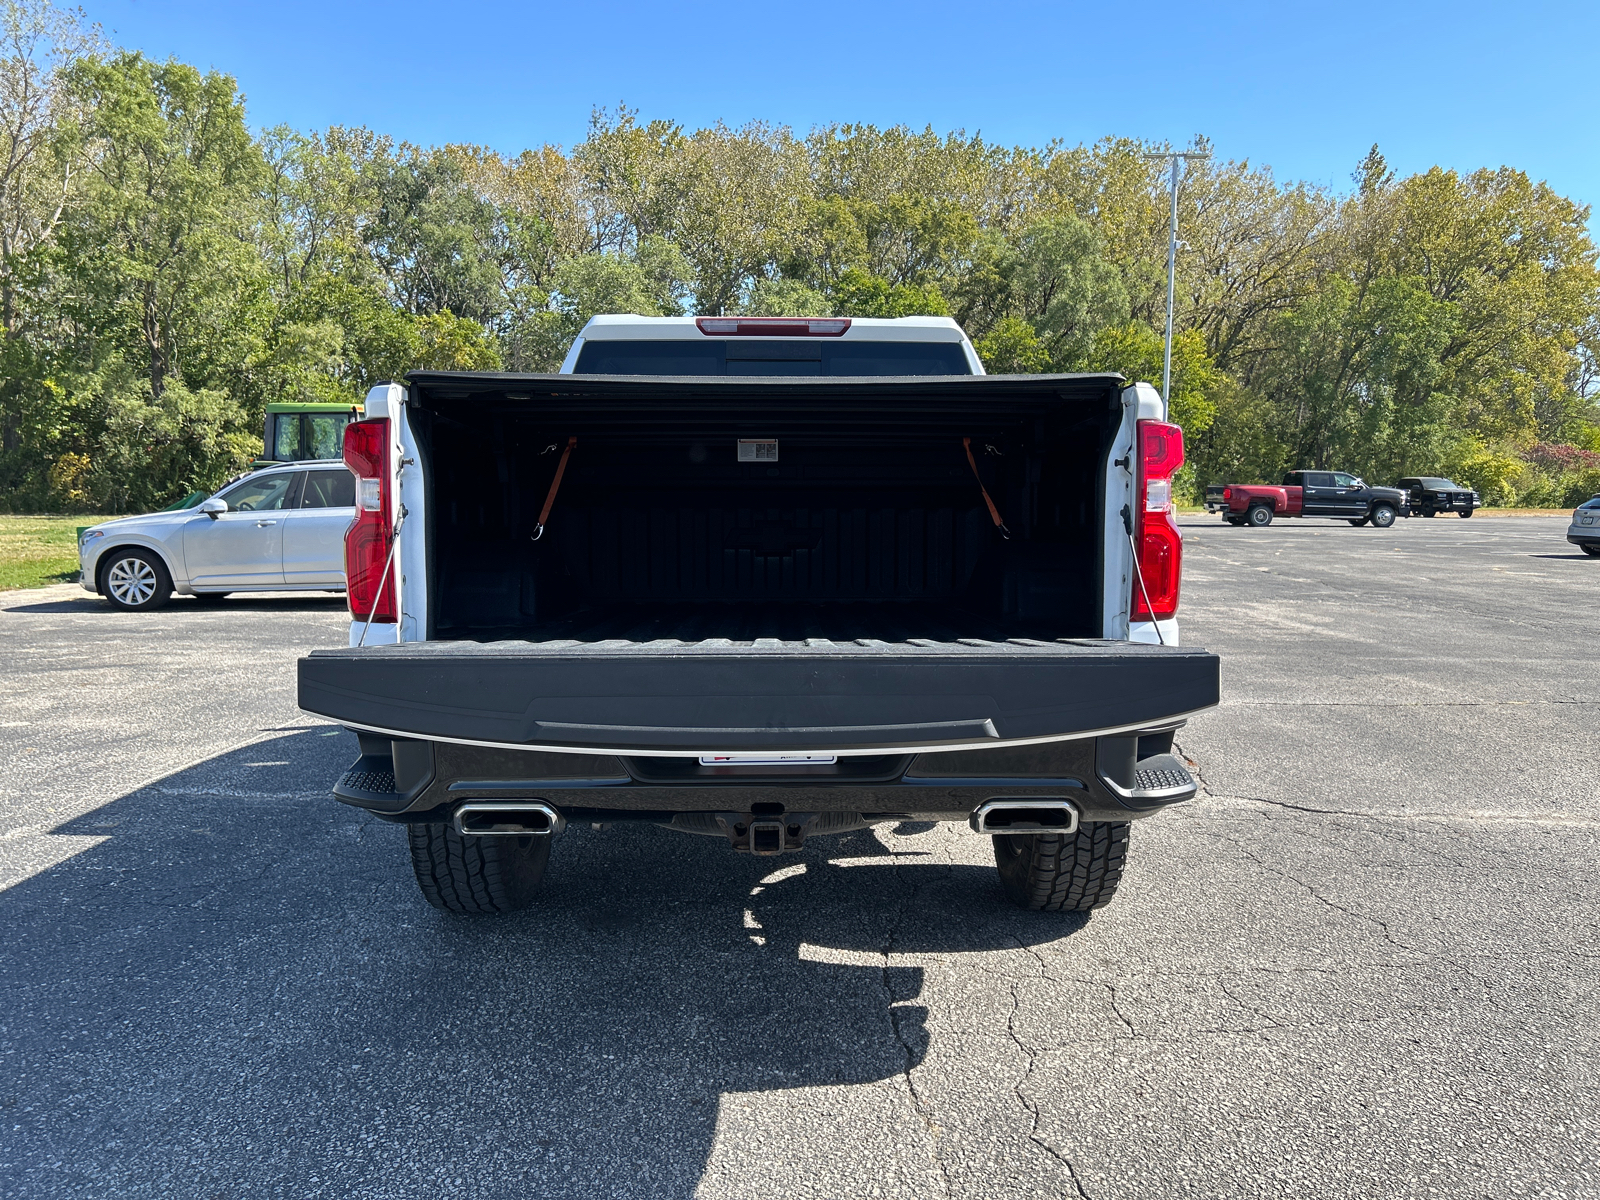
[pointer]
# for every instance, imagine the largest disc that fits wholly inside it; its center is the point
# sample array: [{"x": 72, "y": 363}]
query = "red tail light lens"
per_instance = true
[
  {"x": 772, "y": 326},
  {"x": 1156, "y": 532},
  {"x": 366, "y": 542}
]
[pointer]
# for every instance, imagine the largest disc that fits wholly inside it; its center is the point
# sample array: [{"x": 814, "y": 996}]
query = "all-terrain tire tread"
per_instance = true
[
  {"x": 1071, "y": 872},
  {"x": 465, "y": 875}
]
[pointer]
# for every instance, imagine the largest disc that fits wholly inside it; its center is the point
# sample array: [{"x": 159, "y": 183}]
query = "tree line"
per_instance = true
[{"x": 165, "y": 272}]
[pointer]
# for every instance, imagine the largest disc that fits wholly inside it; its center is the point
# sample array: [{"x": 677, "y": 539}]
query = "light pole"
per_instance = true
[{"x": 1172, "y": 266}]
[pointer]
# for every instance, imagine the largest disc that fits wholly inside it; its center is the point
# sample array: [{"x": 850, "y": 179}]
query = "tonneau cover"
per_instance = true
[{"x": 717, "y": 696}]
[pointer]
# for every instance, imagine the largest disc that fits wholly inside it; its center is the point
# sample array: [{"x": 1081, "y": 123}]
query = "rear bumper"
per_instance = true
[
  {"x": 1584, "y": 535},
  {"x": 690, "y": 699},
  {"x": 1103, "y": 779}
]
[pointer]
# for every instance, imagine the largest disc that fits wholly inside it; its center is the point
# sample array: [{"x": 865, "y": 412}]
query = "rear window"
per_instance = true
[
  {"x": 753, "y": 356},
  {"x": 329, "y": 489},
  {"x": 1437, "y": 485}
]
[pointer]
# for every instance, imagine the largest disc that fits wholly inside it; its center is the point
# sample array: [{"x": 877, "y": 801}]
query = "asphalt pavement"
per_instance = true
[{"x": 1362, "y": 964}]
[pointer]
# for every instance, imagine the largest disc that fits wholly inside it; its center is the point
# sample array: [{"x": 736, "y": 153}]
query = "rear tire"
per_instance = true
[
  {"x": 1234, "y": 520},
  {"x": 475, "y": 875},
  {"x": 135, "y": 580},
  {"x": 1063, "y": 872},
  {"x": 1466, "y": 512},
  {"x": 1382, "y": 516},
  {"x": 1259, "y": 516},
  {"x": 1591, "y": 551}
]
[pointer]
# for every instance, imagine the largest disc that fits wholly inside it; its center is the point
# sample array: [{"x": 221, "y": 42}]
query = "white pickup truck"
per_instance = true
[{"x": 763, "y": 580}]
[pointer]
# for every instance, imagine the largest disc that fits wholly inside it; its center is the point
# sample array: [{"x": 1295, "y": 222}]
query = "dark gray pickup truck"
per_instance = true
[{"x": 763, "y": 608}]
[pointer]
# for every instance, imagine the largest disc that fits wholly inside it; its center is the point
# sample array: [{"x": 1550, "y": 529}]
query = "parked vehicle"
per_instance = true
[
  {"x": 276, "y": 530},
  {"x": 1334, "y": 494},
  {"x": 1431, "y": 496},
  {"x": 763, "y": 608},
  {"x": 1584, "y": 532},
  {"x": 304, "y": 432}
]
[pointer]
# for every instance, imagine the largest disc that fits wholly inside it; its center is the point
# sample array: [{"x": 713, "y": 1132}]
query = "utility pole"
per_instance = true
[{"x": 1177, "y": 157}]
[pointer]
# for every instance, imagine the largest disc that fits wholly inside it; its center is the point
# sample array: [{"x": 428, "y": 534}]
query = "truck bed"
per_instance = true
[{"x": 627, "y": 691}]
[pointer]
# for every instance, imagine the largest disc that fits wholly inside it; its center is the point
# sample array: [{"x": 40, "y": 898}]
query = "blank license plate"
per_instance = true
[{"x": 766, "y": 760}]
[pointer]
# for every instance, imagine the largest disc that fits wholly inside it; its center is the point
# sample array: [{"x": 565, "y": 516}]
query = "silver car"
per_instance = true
[
  {"x": 281, "y": 529},
  {"x": 1584, "y": 532}
]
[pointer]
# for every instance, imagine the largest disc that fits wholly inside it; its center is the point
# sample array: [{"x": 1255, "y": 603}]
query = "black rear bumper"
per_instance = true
[{"x": 705, "y": 698}]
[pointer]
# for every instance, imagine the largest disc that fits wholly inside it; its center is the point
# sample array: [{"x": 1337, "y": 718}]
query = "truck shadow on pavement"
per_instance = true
[{"x": 240, "y": 992}]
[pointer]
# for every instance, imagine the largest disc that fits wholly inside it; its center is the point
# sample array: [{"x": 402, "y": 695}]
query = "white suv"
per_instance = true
[{"x": 276, "y": 530}]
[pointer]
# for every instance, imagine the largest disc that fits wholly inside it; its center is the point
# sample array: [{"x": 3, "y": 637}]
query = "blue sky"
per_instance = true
[{"x": 1303, "y": 87}]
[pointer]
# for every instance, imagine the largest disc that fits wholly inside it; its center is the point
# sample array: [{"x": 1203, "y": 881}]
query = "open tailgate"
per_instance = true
[{"x": 673, "y": 697}]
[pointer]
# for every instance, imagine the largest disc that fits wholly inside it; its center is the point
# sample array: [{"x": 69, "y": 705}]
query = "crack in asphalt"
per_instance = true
[
  {"x": 1381, "y": 925},
  {"x": 1121, "y": 1016},
  {"x": 919, "y": 1103},
  {"x": 1031, "y": 1058},
  {"x": 1466, "y": 815}
]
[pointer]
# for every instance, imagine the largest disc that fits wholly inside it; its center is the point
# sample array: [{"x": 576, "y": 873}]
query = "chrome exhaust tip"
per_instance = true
[
  {"x": 1024, "y": 815},
  {"x": 508, "y": 818}
]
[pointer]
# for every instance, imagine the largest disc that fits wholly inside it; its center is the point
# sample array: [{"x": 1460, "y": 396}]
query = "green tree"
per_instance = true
[
  {"x": 42, "y": 120},
  {"x": 857, "y": 294},
  {"x": 162, "y": 286}
]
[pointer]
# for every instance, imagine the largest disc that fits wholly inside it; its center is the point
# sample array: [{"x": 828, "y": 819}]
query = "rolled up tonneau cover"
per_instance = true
[{"x": 716, "y": 696}]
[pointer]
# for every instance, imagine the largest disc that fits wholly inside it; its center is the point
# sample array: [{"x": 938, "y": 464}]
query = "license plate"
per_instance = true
[
  {"x": 767, "y": 760},
  {"x": 1587, "y": 521}
]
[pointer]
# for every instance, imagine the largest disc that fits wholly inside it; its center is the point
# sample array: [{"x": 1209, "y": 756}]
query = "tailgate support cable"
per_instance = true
[
  {"x": 555, "y": 486},
  {"x": 1127, "y": 523},
  {"x": 994, "y": 513},
  {"x": 394, "y": 540}
]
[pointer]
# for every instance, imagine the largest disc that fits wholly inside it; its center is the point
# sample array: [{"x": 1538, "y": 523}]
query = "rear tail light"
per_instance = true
[
  {"x": 1160, "y": 547},
  {"x": 772, "y": 326},
  {"x": 366, "y": 542}
]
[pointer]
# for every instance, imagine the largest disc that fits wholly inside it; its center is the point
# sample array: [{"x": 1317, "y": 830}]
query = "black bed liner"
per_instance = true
[
  {"x": 669, "y": 696},
  {"x": 748, "y": 621}
]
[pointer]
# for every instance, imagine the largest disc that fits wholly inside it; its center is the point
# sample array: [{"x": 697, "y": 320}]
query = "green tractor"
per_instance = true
[{"x": 302, "y": 432}]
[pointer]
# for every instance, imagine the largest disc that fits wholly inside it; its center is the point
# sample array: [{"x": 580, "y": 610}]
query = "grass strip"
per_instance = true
[{"x": 39, "y": 551}]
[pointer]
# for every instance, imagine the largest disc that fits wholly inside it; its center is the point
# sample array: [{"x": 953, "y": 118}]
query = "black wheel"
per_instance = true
[
  {"x": 1465, "y": 512},
  {"x": 1428, "y": 512},
  {"x": 1259, "y": 515},
  {"x": 135, "y": 580},
  {"x": 211, "y": 597},
  {"x": 476, "y": 874},
  {"x": 1358, "y": 522},
  {"x": 1382, "y": 515},
  {"x": 1063, "y": 872},
  {"x": 1592, "y": 551}
]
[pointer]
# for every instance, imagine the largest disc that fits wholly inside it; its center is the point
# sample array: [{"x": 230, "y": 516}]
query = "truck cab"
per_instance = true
[{"x": 304, "y": 432}]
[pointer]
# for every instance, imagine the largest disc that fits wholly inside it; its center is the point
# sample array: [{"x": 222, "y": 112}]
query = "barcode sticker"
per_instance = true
[{"x": 758, "y": 449}]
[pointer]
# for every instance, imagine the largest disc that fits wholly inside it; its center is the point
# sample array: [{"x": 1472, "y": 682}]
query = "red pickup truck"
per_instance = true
[{"x": 1335, "y": 494}]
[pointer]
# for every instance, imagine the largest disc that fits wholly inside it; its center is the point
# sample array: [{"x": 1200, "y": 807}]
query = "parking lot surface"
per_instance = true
[{"x": 1362, "y": 964}]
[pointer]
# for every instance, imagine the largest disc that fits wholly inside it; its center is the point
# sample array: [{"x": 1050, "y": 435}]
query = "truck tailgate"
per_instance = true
[{"x": 716, "y": 696}]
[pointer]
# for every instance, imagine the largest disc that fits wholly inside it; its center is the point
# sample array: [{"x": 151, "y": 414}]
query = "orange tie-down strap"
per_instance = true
[
  {"x": 994, "y": 513},
  {"x": 555, "y": 486}
]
